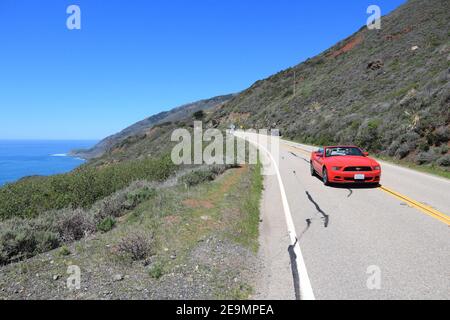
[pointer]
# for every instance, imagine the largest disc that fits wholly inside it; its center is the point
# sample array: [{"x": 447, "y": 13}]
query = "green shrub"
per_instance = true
[
  {"x": 444, "y": 161},
  {"x": 368, "y": 137},
  {"x": 441, "y": 135},
  {"x": 112, "y": 206},
  {"x": 196, "y": 177},
  {"x": 156, "y": 271},
  {"x": 137, "y": 197},
  {"x": 424, "y": 158},
  {"x": 18, "y": 244},
  {"x": 106, "y": 224},
  {"x": 46, "y": 240},
  {"x": 135, "y": 246},
  {"x": 403, "y": 150},
  {"x": 288, "y": 93},
  {"x": 22, "y": 239},
  {"x": 423, "y": 146},
  {"x": 64, "y": 251},
  {"x": 73, "y": 225},
  {"x": 199, "y": 115}
]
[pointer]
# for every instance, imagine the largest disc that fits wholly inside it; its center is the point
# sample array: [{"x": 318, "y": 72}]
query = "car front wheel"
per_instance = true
[{"x": 325, "y": 177}]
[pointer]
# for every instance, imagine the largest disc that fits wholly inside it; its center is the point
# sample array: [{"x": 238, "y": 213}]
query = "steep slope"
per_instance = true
[
  {"x": 387, "y": 90},
  {"x": 141, "y": 127}
]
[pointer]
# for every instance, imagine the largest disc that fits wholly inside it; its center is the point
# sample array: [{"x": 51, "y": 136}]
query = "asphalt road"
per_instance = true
[{"x": 357, "y": 243}]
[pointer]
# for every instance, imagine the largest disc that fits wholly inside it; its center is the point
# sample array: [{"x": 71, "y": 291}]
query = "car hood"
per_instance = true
[{"x": 342, "y": 161}]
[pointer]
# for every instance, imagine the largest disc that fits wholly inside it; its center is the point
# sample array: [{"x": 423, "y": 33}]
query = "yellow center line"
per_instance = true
[
  {"x": 297, "y": 149},
  {"x": 420, "y": 206}
]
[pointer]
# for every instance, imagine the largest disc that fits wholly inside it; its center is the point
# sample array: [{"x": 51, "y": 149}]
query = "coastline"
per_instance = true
[{"x": 25, "y": 159}]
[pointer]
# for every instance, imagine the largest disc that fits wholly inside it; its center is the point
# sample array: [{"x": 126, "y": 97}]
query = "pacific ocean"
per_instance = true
[{"x": 22, "y": 158}]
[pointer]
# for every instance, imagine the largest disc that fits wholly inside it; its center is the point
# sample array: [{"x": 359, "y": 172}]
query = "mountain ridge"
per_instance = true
[{"x": 140, "y": 127}]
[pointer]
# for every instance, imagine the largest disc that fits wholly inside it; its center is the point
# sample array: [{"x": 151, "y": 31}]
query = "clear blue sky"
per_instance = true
[{"x": 132, "y": 59}]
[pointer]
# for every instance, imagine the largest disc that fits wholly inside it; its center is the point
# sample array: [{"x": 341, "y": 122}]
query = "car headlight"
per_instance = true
[
  {"x": 336, "y": 168},
  {"x": 376, "y": 168}
]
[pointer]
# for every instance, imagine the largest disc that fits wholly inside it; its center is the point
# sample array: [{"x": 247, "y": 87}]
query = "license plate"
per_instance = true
[{"x": 360, "y": 177}]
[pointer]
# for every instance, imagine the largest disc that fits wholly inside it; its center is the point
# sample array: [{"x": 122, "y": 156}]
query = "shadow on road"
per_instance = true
[
  {"x": 297, "y": 156},
  {"x": 295, "y": 275},
  {"x": 325, "y": 217},
  {"x": 350, "y": 186}
]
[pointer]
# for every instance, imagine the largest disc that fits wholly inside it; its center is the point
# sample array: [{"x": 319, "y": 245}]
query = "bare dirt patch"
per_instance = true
[
  {"x": 195, "y": 204},
  {"x": 232, "y": 179},
  {"x": 350, "y": 45}
]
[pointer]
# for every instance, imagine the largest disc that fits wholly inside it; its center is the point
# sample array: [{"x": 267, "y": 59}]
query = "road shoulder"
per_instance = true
[{"x": 275, "y": 281}]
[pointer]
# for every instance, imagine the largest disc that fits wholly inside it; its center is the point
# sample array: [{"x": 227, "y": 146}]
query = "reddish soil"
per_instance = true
[
  {"x": 194, "y": 203},
  {"x": 348, "y": 46},
  {"x": 397, "y": 35}
]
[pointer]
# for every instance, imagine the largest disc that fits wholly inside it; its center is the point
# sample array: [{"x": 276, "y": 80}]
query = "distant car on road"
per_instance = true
[{"x": 345, "y": 164}]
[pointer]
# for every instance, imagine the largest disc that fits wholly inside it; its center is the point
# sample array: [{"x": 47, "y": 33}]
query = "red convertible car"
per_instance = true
[{"x": 345, "y": 164}]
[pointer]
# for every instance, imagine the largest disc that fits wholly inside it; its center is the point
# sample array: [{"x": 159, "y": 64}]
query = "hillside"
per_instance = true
[
  {"x": 142, "y": 127},
  {"x": 386, "y": 90}
]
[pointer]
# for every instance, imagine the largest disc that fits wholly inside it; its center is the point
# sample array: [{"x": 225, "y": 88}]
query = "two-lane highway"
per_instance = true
[{"x": 358, "y": 242}]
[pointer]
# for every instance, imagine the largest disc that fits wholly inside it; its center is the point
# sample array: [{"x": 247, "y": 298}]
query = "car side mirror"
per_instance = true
[
  {"x": 320, "y": 155},
  {"x": 366, "y": 154}
]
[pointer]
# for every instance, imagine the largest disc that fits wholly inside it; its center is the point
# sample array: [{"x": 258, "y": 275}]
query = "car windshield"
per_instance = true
[{"x": 343, "y": 151}]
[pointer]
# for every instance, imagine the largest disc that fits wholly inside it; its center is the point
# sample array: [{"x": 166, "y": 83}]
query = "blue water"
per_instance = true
[{"x": 22, "y": 158}]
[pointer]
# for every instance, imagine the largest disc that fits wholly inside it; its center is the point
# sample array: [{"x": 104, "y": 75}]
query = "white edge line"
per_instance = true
[{"x": 306, "y": 291}]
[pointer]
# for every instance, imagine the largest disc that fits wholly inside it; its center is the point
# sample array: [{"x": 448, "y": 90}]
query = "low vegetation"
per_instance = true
[
  {"x": 199, "y": 176},
  {"x": 433, "y": 169},
  {"x": 175, "y": 243},
  {"x": 251, "y": 208},
  {"x": 22, "y": 238},
  {"x": 135, "y": 246},
  {"x": 106, "y": 224},
  {"x": 81, "y": 188}
]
